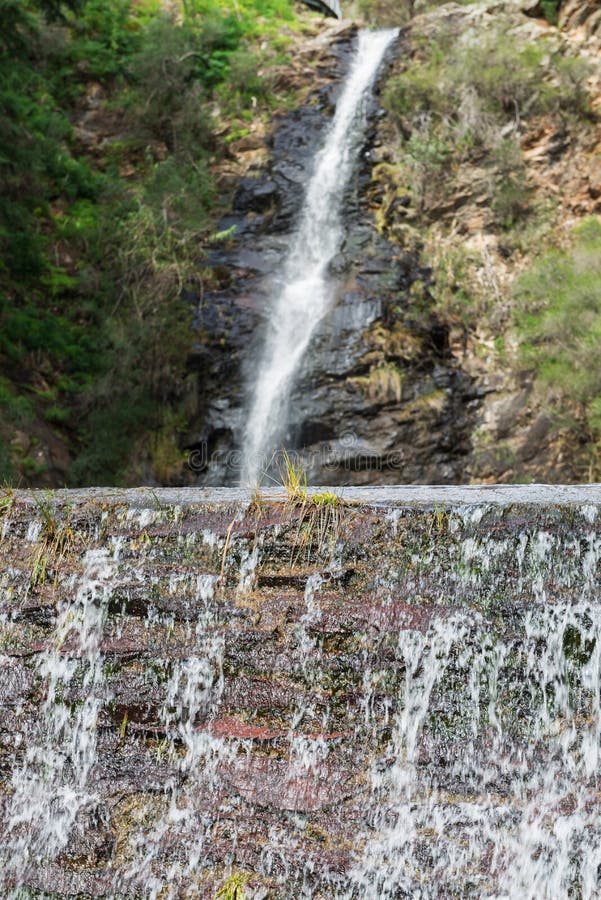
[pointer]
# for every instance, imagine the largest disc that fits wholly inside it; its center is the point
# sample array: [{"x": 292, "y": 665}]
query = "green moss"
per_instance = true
[
  {"x": 233, "y": 888},
  {"x": 325, "y": 498},
  {"x": 575, "y": 648}
]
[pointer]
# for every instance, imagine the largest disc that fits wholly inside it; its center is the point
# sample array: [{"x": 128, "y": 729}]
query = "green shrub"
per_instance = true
[
  {"x": 459, "y": 97},
  {"x": 419, "y": 90},
  {"x": 176, "y": 69},
  {"x": 510, "y": 200},
  {"x": 255, "y": 16},
  {"x": 107, "y": 439},
  {"x": 504, "y": 77},
  {"x": 104, "y": 35},
  {"x": 511, "y": 191},
  {"x": 454, "y": 299},
  {"x": 550, "y": 10},
  {"x": 427, "y": 157},
  {"x": 559, "y": 322},
  {"x": 570, "y": 95},
  {"x": 244, "y": 84},
  {"x": 15, "y": 407},
  {"x": 175, "y": 195}
]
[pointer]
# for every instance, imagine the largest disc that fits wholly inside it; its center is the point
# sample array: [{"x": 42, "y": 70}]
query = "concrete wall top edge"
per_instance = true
[{"x": 385, "y": 496}]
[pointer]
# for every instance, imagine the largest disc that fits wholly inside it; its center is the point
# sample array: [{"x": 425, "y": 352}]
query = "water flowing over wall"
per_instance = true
[{"x": 392, "y": 694}]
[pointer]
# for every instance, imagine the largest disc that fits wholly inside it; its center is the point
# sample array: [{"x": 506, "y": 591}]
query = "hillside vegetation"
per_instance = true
[
  {"x": 112, "y": 111},
  {"x": 488, "y": 167}
]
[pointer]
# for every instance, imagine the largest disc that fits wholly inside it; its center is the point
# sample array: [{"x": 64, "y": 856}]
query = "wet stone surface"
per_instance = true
[{"x": 354, "y": 705}]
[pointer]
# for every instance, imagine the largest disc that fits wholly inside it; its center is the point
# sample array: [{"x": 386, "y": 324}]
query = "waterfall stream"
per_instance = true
[{"x": 302, "y": 295}]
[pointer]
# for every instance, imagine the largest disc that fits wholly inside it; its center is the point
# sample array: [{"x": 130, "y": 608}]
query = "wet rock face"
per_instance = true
[
  {"x": 322, "y": 700},
  {"x": 380, "y": 397}
]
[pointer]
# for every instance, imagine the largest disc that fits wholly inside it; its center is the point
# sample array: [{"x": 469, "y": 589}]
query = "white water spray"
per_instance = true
[
  {"x": 51, "y": 787},
  {"x": 304, "y": 294}
]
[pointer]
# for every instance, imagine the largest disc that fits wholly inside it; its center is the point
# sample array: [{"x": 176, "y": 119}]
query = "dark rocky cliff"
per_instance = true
[
  {"x": 200, "y": 691},
  {"x": 380, "y": 396}
]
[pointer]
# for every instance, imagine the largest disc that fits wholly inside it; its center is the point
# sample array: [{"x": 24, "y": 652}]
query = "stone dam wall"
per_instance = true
[{"x": 390, "y": 694}]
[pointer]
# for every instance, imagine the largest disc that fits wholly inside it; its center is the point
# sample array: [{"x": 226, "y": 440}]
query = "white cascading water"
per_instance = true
[
  {"x": 515, "y": 816},
  {"x": 51, "y": 788},
  {"x": 303, "y": 295},
  {"x": 478, "y": 713}
]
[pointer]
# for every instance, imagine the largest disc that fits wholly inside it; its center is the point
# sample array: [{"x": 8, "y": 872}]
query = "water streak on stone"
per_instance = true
[{"x": 52, "y": 786}]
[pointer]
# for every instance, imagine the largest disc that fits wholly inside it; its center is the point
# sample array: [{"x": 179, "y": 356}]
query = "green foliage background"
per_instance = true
[{"x": 93, "y": 335}]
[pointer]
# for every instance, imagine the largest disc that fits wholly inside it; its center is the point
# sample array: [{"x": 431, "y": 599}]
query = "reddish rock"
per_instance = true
[
  {"x": 282, "y": 785},
  {"x": 234, "y": 728}
]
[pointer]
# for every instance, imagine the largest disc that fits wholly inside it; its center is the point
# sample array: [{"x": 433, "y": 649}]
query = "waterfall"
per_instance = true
[{"x": 303, "y": 293}]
